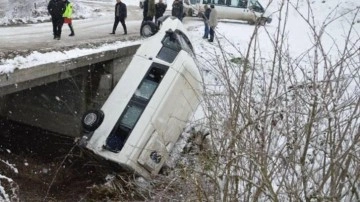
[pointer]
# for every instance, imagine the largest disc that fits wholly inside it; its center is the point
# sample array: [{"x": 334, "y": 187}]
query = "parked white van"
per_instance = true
[
  {"x": 246, "y": 10},
  {"x": 149, "y": 107}
]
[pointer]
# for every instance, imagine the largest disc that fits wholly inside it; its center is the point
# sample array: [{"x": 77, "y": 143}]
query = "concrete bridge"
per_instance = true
[{"x": 54, "y": 96}]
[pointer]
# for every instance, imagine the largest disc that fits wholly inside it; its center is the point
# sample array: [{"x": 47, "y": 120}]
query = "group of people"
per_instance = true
[
  {"x": 151, "y": 10},
  {"x": 210, "y": 22},
  {"x": 61, "y": 12}
]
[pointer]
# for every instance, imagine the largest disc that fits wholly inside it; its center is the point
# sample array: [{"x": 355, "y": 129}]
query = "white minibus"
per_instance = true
[{"x": 150, "y": 105}]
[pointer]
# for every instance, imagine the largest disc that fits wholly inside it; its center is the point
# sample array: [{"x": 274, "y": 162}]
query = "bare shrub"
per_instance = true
[{"x": 283, "y": 127}]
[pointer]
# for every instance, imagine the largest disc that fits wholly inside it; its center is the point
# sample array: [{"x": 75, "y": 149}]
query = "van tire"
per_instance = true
[
  {"x": 251, "y": 22},
  {"x": 148, "y": 28},
  {"x": 261, "y": 21},
  {"x": 93, "y": 126}
]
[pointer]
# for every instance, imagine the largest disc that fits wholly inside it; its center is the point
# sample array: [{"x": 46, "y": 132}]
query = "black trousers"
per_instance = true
[
  {"x": 71, "y": 28},
  {"x": 57, "y": 25},
  {"x": 116, "y": 22},
  {"x": 212, "y": 33}
]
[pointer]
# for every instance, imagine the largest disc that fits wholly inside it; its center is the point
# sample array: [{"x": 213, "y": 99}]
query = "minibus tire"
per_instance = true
[
  {"x": 99, "y": 119},
  {"x": 148, "y": 28}
]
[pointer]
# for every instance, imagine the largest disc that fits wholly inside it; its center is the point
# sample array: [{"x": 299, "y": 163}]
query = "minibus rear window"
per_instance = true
[
  {"x": 171, "y": 47},
  {"x": 167, "y": 54},
  {"x": 173, "y": 42}
]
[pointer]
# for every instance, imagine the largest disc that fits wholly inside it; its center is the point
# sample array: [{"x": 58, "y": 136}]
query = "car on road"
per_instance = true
[
  {"x": 250, "y": 11},
  {"x": 150, "y": 105}
]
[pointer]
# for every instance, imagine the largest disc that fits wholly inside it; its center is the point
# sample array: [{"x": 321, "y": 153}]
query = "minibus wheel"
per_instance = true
[
  {"x": 92, "y": 119},
  {"x": 148, "y": 28}
]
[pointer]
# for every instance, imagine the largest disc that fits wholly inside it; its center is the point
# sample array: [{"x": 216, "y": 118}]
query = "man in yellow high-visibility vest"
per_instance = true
[{"x": 68, "y": 16}]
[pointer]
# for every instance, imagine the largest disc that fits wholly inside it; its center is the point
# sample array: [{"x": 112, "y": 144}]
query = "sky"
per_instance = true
[{"x": 234, "y": 36}]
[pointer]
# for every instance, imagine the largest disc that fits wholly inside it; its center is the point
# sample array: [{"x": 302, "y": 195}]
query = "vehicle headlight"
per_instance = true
[
  {"x": 92, "y": 119},
  {"x": 155, "y": 157}
]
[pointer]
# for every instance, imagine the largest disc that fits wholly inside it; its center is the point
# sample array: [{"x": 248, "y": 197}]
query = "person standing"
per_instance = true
[
  {"x": 177, "y": 9},
  {"x": 145, "y": 10},
  {"x": 67, "y": 16},
  {"x": 160, "y": 9},
  {"x": 206, "y": 17},
  {"x": 212, "y": 22},
  {"x": 56, "y": 9},
  {"x": 182, "y": 14},
  {"x": 120, "y": 16},
  {"x": 151, "y": 10}
]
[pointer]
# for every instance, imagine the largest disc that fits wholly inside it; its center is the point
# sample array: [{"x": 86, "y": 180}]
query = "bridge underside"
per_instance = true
[{"x": 57, "y": 101}]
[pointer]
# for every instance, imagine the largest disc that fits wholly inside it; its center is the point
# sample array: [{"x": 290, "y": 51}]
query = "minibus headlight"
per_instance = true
[
  {"x": 92, "y": 120},
  {"x": 155, "y": 157}
]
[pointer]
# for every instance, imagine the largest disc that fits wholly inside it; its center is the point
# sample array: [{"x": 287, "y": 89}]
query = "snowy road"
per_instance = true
[{"x": 92, "y": 30}]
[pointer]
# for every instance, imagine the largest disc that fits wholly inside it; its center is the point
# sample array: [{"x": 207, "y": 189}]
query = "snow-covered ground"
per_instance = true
[{"x": 327, "y": 28}]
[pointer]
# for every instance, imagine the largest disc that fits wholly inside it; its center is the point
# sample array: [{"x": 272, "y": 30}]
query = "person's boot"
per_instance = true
[
  {"x": 125, "y": 31},
  {"x": 72, "y": 30}
]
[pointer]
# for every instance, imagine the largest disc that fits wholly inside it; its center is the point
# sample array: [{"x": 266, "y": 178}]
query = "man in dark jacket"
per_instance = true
[
  {"x": 120, "y": 16},
  {"x": 177, "y": 9},
  {"x": 56, "y": 9},
  {"x": 160, "y": 9},
  {"x": 145, "y": 10}
]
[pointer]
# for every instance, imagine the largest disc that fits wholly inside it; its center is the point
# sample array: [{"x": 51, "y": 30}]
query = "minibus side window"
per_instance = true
[
  {"x": 131, "y": 115},
  {"x": 134, "y": 109},
  {"x": 146, "y": 89}
]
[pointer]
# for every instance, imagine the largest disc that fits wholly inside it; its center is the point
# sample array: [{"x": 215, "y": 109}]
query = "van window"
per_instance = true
[
  {"x": 146, "y": 89},
  {"x": 232, "y": 3},
  {"x": 173, "y": 42},
  {"x": 131, "y": 115},
  {"x": 185, "y": 43},
  {"x": 256, "y": 6},
  {"x": 170, "y": 48},
  {"x": 134, "y": 109}
]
